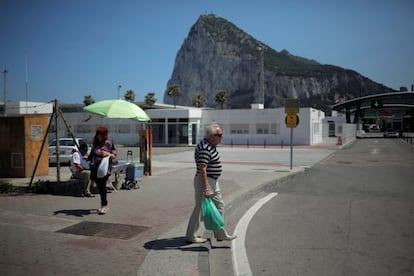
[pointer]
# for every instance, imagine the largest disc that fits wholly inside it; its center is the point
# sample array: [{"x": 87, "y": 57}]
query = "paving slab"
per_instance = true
[{"x": 32, "y": 226}]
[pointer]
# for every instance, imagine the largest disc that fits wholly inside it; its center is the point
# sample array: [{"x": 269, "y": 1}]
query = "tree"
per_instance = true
[
  {"x": 88, "y": 100},
  {"x": 221, "y": 98},
  {"x": 198, "y": 101},
  {"x": 129, "y": 95},
  {"x": 150, "y": 99},
  {"x": 174, "y": 91}
]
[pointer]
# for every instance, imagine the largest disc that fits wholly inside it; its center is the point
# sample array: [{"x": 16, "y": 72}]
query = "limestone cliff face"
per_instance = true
[{"x": 217, "y": 55}]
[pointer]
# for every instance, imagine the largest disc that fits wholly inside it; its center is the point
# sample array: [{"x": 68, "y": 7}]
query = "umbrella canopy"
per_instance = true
[{"x": 118, "y": 109}]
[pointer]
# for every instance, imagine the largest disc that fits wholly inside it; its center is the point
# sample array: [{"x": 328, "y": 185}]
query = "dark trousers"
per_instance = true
[{"x": 101, "y": 184}]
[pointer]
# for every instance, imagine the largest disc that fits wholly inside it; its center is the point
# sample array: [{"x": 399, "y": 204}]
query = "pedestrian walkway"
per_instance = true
[{"x": 142, "y": 234}]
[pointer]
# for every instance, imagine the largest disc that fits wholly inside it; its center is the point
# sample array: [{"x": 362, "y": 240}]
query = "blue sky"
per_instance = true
[{"x": 66, "y": 49}]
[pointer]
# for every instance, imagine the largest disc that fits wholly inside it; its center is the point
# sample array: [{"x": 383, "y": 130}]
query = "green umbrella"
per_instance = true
[{"x": 118, "y": 109}]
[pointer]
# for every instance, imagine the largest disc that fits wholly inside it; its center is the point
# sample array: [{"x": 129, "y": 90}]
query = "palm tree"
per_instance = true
[
  {"x": 174, "y": 91},
  {"x": 129, "y": 95},
  {"x": 198, "y": 100},
  {"x": 150, "y": 99},
  {"x": 88, "y": 100},
  {"x": 221, "y": 98}
]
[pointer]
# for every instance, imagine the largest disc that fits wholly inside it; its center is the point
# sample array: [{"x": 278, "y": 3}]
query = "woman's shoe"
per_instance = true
[{"x": 88, "y": 194}]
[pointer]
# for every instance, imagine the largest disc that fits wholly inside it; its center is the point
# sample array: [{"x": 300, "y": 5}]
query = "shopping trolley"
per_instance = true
[{"x": 134, "y": 173}]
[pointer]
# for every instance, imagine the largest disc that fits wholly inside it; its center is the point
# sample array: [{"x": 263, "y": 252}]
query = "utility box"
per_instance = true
[{"x": 21, "y": 139}]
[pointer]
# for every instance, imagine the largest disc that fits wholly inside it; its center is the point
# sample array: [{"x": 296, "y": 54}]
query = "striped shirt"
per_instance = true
[{"x": 206, "y": 153}]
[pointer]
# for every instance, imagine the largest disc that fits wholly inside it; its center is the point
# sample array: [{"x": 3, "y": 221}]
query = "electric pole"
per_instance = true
[
  {"x": 5, "y": 90},
  {"x": 261, "y": 80}
]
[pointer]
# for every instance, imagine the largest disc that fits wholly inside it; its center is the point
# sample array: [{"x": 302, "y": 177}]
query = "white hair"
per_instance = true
[{"x": 211, "y": 129}]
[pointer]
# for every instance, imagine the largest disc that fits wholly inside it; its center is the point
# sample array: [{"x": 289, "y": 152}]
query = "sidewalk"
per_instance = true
[{"x": 143, "y": 232}]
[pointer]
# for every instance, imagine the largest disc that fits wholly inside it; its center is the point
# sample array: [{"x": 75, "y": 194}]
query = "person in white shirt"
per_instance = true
[{"x": 79, "y": 166}]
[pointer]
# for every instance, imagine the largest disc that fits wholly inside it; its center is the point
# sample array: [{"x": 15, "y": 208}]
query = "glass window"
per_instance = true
[
  {"x": 262, "y": 128},
  {"x": 239, "y": 128},
  {"x": 158, "y": 133}
]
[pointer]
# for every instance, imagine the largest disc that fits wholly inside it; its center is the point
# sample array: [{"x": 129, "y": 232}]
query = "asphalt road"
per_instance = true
[{"x": 352, "y": 214}]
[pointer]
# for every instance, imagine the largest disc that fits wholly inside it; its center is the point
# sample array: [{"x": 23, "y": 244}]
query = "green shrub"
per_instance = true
[
  {"x": 41, "y": 187},
  {"x": 5, "y": 187}
]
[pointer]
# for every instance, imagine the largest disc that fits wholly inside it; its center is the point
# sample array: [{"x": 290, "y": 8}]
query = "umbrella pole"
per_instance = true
[{"x": 117, "y": 132}]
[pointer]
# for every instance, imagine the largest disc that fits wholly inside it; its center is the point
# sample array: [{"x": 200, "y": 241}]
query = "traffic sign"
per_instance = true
[
  {"x": 376, "y": 104},
  {"x": 292, "y": 120},
  {"x": 292, "y": 105}
]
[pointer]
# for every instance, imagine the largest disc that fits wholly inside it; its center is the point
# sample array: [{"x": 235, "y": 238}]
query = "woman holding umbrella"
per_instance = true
[{"x": 101, "y": 147}]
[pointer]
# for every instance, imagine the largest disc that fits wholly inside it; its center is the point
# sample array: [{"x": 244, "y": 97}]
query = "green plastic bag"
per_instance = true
[{"x": 211, "y": 216}]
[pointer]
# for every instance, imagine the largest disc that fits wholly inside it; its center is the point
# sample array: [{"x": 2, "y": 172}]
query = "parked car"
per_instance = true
[
  {"x": 391, "y": 133},
  {"x": 66, "y": 148}
]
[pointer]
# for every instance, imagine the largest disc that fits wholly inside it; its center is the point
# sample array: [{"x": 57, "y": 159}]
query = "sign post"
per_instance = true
[{"x": 292, "y": 107}]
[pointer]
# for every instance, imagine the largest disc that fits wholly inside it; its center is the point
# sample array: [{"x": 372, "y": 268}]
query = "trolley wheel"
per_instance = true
[
  {"x": 136, "y": 185},
  {"x": 131, "y": 185}
]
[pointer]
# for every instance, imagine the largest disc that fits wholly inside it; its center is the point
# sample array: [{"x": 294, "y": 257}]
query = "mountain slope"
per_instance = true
[{"x": 217, "y": 55}]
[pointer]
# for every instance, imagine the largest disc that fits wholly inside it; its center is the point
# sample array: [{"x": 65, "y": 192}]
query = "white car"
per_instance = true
[
  {"x": 391, "y": 133},
  {"x": 66, "y": 148}
]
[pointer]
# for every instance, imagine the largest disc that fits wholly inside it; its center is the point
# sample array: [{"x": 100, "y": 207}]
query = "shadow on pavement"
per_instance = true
[
  {"x": 177, "y": 243},
  {"x": 76, "y": 212}
]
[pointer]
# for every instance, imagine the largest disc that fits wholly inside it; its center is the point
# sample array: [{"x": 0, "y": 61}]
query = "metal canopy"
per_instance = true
[
  {"x": 400, "y": 100},
  {"x": 389, "y": 99}
]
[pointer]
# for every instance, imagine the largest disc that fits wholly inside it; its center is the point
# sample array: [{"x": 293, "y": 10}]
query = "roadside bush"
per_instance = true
[
  {"x": 41, "y": 187},
  {"x": 6, "y": 187}
]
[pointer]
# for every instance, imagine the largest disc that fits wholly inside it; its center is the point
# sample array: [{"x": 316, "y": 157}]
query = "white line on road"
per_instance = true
[
  {"x": 375, "y": 151},
  {"x": 240, "y": 261}
]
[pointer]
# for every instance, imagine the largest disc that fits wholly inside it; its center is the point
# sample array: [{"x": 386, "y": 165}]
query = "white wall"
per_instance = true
[
  {"x": 260, "y": 126},
  {"x": 83, "y": 125},
  {"x": 349, "y": 133},
  {"x": 317, "y": 126},
  {"x": 28, "y": 108},
  {"x": 174, "y": 113},
  {"x": 240, "y": 126}
]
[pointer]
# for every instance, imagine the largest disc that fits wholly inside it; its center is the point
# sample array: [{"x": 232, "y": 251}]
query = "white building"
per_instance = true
[
  {"x": 15, "y": 108},
  {"x": 266, "y": 126},
  {"x": 185, "y": 125},
  {"x": 172, "y": 126}
]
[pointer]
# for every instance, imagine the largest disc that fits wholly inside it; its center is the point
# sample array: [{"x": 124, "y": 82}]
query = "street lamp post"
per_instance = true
[
  {"x": 261, "y": 85},
  {"x": 119, "y": 88},
  {"x": 5, "y": 90}
]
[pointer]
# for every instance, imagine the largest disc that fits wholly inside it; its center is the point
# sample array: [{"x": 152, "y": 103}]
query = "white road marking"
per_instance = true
[
  {"x": 240, "y": 261},
  {"x": 374, "y": 151}
]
